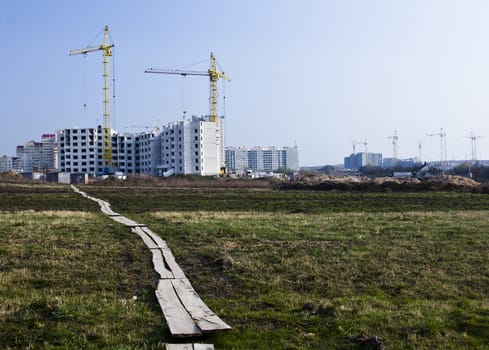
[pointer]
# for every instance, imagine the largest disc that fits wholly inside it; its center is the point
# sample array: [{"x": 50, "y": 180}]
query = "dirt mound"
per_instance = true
[
  {"x": 455, "y": 180},
  {"x": 385, "y": 184}
]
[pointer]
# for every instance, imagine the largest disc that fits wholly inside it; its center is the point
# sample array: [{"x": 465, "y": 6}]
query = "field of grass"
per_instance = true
[{"x": 286, "y": 269}]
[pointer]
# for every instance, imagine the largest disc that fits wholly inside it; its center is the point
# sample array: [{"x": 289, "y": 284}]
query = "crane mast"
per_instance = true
[
  {"x": 473, "y": 138},
  {"x": 395, "y": 139},
  {"x": 106, "y": 47}
]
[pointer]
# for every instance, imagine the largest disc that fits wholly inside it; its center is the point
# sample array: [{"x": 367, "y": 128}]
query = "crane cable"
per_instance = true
[
  {"x": 85, "y": 86},
  {"x": 113, "y": 90},
  {"x": 113, "y": 82},
  {"x": 184, "y": 109},
  {"x": 223, "y": 90}
]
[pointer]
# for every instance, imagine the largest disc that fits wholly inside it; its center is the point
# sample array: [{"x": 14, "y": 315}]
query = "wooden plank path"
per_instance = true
[
  {"x": 189, "y": 347},
  {"x": 185, "y": 312}
]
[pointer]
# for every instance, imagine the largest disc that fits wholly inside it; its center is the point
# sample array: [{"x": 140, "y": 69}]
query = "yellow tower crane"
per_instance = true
[
  {"x": 213, "y": 74},
  {"x": 106, "y": 47}
]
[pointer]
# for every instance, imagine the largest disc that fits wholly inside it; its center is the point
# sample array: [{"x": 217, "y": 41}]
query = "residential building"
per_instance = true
[
  {"x": 261, "y": 159},
  {"x": 193, "y": 146},
  {"x": 8, "y": 163},
  {"x": 185, "y": 147},
  {"x": 81, "y": 151},
  {"x": 36, "y": 156},
  {"x": 356, "y": 161}
]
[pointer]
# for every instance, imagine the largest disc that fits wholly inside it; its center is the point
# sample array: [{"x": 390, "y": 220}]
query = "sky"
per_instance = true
[{"x": 322, "y": 74}]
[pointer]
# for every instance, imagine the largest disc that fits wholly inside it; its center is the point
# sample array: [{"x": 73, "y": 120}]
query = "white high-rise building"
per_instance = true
[
  {"x": 262, "y": 159},
  {"x": 81, "y": 151},
  {"x": 37, "y": 156},
  {"x": 185, "y": 147},
  {"x": 193, "y": 146}
]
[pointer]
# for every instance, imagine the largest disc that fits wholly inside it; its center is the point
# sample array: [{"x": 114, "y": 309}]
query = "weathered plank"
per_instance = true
[
  {"x": 179, "y": 347},
  {"x": 172, "y": 264},
  {"x": 161, "y": 243},
  {"x": 125, "y": 221},
  {"x": 178, "y": 319},
  {"x": 207, "y": 320},
  {"x": 159, "y": 264},
  {"x": 146, "y": 239},
  {"x": 203, "y": 346},
  {"x": 106, "y": 209}
]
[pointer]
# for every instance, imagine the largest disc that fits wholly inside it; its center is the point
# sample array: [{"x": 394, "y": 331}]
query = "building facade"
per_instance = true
[
  {"x": 36, "y": 156},
  {"x": 261, "y": 159},
  {"x": 8, "y": 163},
  {"x": 356, "y": 161},
  {"x": 81, "y": 151},
  {"x": 193, "y": 146},
  {"x": 185, "y": 147}
]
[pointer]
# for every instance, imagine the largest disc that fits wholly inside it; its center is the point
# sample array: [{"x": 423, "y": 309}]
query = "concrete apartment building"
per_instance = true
[
  {"x": 36, "y": 156},
  {"x": 8, "y": 163},
  {"x": 356, "y": 161},
  {"x": 261, "y": 159},
  {"x": 81, "y": 151},
  {"x": 185, "y": 147},
  {"x": 193, "y": 146}
]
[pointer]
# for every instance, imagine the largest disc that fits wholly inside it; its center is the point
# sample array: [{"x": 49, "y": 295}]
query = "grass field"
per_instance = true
[{"x": 286, "y": 269}]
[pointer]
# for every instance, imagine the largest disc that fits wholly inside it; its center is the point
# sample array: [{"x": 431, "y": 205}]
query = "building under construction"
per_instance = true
[{"x": 193, "y": 146}]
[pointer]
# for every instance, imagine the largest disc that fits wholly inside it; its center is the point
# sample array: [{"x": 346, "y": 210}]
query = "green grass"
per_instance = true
[
  {"x": 418, "y": 280},
  {"x": 67, "y": 281},
  {"x": 135, "y": 200},
  {"x": 287, "y": 270}
]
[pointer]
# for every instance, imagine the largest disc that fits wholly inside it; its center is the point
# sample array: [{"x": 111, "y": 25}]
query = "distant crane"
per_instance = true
[
  {"x": 106, "y": 47},
  {"x": 443, "y": 145},
  {"x": 394, "y": 138},
  {"x": 473, "y": 140},
  {"x": 213, "y": 74},
  {"x": 355, "y": 143}
]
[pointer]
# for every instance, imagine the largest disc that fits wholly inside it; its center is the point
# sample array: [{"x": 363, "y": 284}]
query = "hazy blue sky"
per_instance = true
[{"x": 319, "y": 73}]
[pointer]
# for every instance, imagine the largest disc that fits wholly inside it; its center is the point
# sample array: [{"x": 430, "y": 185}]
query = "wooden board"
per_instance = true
[
  {"x": 125, "y": 221},
  {"x": 172, "y": 264},
  {"x": 159, "y": 264},
  {"x": 178, "y": 319},
  {"x": 207, "y": 320},
  {"x": 189, "y": 347},
  {"x": 146, "y": 239},
  {"x": 179, "y": 347},
  {"x": 203, "y": 346},
  {"x": 106, "y": 209},
  {"x": 161, "y": 243}
]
